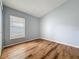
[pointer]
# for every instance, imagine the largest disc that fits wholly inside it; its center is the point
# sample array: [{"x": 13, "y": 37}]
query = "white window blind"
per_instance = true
[{"x": 17, "y": 27}]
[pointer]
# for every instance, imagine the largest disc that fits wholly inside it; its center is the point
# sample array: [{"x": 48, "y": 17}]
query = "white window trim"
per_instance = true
[{"x": 19, "y": 35}]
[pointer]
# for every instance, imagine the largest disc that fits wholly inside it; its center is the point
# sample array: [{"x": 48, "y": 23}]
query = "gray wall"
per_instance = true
[
  {"x": 32, "y": 26},
  {"x": 62, "y": 24},
  {"x": 0, "y": 26}
]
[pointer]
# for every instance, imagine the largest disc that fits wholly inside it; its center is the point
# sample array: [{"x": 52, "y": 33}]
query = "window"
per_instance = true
[{"x": 17, "y": 27}]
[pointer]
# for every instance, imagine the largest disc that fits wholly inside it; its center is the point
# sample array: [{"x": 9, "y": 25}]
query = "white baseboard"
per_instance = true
[
  {"x": 45, "y": 39},
  {"x": 19, "y": 42},
  {"x": 61, "y": 42}
]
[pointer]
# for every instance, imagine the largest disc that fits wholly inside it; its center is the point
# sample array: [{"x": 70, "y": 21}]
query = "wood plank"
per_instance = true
[{"x": 40, "y": 49}]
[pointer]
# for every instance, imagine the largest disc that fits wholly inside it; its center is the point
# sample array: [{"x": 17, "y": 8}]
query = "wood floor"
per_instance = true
[{"x": 40, "y": 49}]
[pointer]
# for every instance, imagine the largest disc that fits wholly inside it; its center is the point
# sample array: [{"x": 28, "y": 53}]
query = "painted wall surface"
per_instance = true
[
  {"x": 32, "y": 25},
  {"x": 0, "y": 26},
  {"x": 62, "y": 24}
]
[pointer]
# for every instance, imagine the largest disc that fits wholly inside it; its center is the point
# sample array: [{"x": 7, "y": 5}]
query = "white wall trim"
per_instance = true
[
  {"x": 19, "y": 42},
  {"x": 61, "y": 42},
  {"x": 45, "y": 39}
]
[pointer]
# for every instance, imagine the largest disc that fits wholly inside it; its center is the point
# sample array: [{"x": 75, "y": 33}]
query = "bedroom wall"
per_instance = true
[
  {"x": 32, "y": 26},
  {"x": 62, "y": 24},
  {"x": 0, "y": 27}
]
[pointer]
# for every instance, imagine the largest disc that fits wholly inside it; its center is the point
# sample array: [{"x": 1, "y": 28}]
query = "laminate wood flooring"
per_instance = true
[{"x": 40, "y": 49}]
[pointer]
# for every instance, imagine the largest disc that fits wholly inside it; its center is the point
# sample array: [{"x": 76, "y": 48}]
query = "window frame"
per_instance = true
[{"x": 15, "y": 19}]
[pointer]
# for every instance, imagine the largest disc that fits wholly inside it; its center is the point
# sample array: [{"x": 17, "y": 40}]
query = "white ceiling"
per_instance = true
[{"x": 37, "y": 8}]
